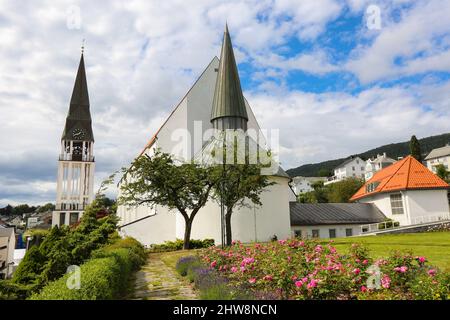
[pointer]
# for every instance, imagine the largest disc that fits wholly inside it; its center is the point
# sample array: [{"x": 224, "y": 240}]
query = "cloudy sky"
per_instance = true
[{"x": 336, "y": 77}]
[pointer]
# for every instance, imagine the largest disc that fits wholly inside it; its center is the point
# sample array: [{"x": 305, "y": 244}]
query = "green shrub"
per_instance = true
[
  {"x": 105, "y": 276},
  {"x": 178, "y": 245}
]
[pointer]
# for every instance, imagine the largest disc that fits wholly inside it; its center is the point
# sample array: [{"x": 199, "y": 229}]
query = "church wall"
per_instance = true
[
  {"x": 272, "y": 218},
  {"x": 154, "y": 229}
]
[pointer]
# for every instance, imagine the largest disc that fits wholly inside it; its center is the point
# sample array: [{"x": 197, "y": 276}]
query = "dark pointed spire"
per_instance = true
[
  {"x": 228, "y": 99},
  {"x": 79, "y": 116}
]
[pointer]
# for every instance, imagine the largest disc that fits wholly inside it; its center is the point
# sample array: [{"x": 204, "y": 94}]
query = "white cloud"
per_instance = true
[{"x": 142, "y": 56}]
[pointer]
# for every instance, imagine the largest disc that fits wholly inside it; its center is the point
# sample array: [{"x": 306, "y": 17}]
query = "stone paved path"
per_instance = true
[{"x": 157, "y": 281}]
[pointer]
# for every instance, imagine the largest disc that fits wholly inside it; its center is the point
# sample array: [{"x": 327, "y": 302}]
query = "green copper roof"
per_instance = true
[
  {"x": 228, "y": 98},
  {"x": 79, "y": 116}
]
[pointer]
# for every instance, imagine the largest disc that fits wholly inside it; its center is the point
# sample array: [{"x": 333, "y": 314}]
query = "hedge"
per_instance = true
[{"x": 105, "y": 276}]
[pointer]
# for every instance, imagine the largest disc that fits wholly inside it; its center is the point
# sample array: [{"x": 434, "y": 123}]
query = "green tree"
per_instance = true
[
  {"x": 318, "y": 195},
  {"x": 414, "y": 148},
  {"x": 46, "y": 207},
  {"x": 241, "y": 184},
  {"x": 324, "y": 173},
  {"x": 442, "y": 172},
  {"x": 342, "y": 191},
  {"x": 158, "y": 180}
]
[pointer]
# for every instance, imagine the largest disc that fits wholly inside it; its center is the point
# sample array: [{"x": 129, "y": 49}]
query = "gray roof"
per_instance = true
[
  {"x": 79, "y": 116},
  {"x": 334, "y": 213},
  {"x": 228, "y": 98},
  {"x": 438, "y": 152}
]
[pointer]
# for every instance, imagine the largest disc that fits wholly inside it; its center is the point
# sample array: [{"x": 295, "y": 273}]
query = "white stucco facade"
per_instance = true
[
  {"x": 416, "y": 204},
  {"x": 192, "y": 115}
]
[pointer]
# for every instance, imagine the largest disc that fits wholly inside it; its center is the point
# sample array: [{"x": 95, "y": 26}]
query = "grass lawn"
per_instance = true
[{"x": 435, "y": 246}]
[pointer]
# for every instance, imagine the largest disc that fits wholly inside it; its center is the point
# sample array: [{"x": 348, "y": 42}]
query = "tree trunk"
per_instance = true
[
  {"x": 228, "y": 227},
  {"x": 187, "y": 234}
]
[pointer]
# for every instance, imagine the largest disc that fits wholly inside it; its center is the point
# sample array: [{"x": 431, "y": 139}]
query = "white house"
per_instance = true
[
  {"x": 407, "y": 192},
  {"x": 352, "y": 167},
  {"x": 438, "y": 156},
  {"x": 376, "y": 164},
  {"x": 215, "y": 101},
  {"x": 303, "y": 184},
  {"x": 7, "y": 246}
]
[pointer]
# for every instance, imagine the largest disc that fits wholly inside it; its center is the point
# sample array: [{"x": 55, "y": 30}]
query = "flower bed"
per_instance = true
[{"x": 296, "y": 269}]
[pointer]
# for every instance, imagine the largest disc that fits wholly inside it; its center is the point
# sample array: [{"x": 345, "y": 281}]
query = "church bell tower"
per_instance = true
[{"x": 76, "y": 160}]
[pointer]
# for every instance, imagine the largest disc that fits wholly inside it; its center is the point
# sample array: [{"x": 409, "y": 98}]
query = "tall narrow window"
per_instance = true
[
  {"x": 62, "y": 218},
  {"x": 315, "y": 233},
  {"x": 397, "y": 203},
  {"x": 348, "y": 232}
]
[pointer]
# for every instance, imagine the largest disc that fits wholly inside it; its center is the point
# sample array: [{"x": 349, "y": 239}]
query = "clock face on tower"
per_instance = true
[{"x": 78, "y": 134}]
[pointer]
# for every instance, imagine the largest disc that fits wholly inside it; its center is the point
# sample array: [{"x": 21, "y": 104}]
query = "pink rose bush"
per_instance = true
[{"x": 297, "y": 269}]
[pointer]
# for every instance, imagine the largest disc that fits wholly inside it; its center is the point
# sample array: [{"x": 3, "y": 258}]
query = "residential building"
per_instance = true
[
  {"x": 304, "y": 184},
  {"x": 374, "y": 165},
  {"x": 407, "y": 192},
  {"x": 353, "y": 167},
  {"x": 438, "y": 156},
  {"x": 76, "y": 164},
  {"x": 7, "y": 245},
  {"x": 332, "y": 220}
]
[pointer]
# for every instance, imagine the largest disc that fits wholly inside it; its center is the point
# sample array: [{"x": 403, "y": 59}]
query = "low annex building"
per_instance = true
[{"x": 332, "y": 220}]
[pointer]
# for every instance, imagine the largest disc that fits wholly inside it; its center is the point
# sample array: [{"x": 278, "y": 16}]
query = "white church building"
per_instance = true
[{"x": 214, "y": 101}]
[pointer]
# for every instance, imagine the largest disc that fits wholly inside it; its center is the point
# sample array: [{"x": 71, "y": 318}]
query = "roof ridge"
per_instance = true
[{"x": 152, "y": 139}]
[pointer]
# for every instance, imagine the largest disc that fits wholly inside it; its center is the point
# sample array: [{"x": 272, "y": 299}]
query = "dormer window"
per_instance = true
[{"x": 372, "y": 186}]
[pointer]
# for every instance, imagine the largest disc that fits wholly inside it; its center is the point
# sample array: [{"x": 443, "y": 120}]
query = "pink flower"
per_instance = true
[
  {"x": 242, "y": 268},
  {"x": 268, "y": 278},
  {"x": 357, "y": 271},
  {"x": 363, "y": 288},
  {"x": 432, "y": 272},
  {"x": 401, "y": 269},
  {"x": 252, "y": 280},
  {"x": 294, "y": 278},
  {"x": 421, "y": 259},
  {"x": 318, "y": 248},
  {"x": 365, "y": 262},
  {"x": 213, "y": 264},
  {"x": 234, "y": 269},
  {"x": 298, "y": 283},
  {"x": 282, "y": 242},
  {"x": 386, "y": 281},
  {"x": 312, "y": 284}
]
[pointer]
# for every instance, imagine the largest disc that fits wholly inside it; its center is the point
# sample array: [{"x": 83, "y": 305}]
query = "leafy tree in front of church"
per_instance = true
[
  {"x": 414, "y": 147},
  {"x": 241, "y": 186},
  {"x": 159, "y": 180}
]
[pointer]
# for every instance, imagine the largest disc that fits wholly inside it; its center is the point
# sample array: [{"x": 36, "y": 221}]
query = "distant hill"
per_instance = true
[{"x": 393, "y": 150}]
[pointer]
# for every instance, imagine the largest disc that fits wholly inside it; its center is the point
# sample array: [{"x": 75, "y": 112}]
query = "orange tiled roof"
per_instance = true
[{"x": 405, "y": 174}]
